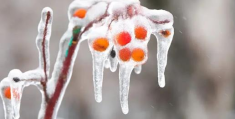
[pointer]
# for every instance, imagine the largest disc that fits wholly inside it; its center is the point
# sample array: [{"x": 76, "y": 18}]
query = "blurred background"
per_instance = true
[{"x": 200, "y": 73}]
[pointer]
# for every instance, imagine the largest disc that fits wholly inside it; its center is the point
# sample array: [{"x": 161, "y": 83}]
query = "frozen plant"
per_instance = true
[{"x": 117, "y": 31}]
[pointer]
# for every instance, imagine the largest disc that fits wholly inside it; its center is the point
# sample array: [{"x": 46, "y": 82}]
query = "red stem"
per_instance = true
[
  {"x": 44, "y": 56},
  {"x": 43, "y": 45},
  {"x": 61, "y": 81}
]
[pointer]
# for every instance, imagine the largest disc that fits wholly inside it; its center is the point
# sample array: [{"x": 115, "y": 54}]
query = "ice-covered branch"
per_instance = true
[
  {"x": 13, "y": 85},
  {"x": 42, "y": 40},
  {"x": 118, "y": 32},
  {"x": 66, "y": 57}
]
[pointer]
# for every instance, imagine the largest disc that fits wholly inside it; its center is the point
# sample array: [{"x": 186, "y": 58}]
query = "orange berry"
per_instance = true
[
  {"x": 7, "y": 92},
  {"x": 101, "y": 44},
  {"x": 140, "y": 33},
  {"x": 125, "y": 54},
  {"x": 138, "y": 55},
  {"x": 123, "y": 38},
  {"x": 166, "y": 33},
  {"x": 80, "y": 13}
]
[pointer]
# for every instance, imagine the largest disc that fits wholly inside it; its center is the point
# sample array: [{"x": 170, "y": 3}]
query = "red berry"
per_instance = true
[
  {"x": 80, "y": 13},
  {"x": 138, "y": 55},
  {"x": 101, "y": 44},
  {"x": 125, "y": 54},
  {"x": 123, "y": 38},
  {"x": 7, "y": 92},
  {"x": 140, "y": 33}
]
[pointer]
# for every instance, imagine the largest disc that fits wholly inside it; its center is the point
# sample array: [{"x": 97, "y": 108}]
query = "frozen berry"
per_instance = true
[
  {"x": 7, "y": 92},
  {"x": 80, "y": 13},
  {"x": 166, "y": 33},
  {"x": 125, "y": 54},
  {"x": 138, "y": 55},
  {"x": 140, "y": 33},
  {"x": 101, "y": 44},
  {"x": 123, "y": 38}
]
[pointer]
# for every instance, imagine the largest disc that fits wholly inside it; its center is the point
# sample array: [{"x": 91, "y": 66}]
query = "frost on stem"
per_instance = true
[{"x": 118, "y": 32}]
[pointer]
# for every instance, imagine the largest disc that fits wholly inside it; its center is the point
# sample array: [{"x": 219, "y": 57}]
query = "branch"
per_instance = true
[
  {"x": 42, "y": 42},
  {"x": 64, "y": 76}
]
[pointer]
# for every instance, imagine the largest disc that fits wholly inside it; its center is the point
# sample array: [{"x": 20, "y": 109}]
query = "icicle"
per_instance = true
[
  {"x": 164, "y": 39},
  {"x": 16, "y": 90},
  {"x": 124, "y": 83},
  {"x": 98, "y": 69},
  {"x": 12, "y": 89},
  {"x": 16, "y": 94},
  {"x": 138, "y": 69},
  {"x": 5, "y": 90},
  {"x": 100, "y": 47}
]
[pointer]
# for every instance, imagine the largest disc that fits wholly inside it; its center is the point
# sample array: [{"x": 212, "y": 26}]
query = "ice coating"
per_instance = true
[
  {"x": 16, "y": 80},
  {"x": 5, "y": 83},
  {"x": 16, "y": 95},
  {"x": 16, "y": 92},
  {"x": 129, "y": 26},
  {"x": 62, "y": 72},
  {"x": 64, "y": 42},
  {"x": 43, "y": 37},
  {"x": 118, "y": 32}
]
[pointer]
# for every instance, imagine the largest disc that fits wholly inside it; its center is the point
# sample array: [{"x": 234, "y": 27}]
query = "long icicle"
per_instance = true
[
  {"x": 124, "y": 84},
  {"x": 164, "y": 39},
  {"x": 98, "y": 69}
]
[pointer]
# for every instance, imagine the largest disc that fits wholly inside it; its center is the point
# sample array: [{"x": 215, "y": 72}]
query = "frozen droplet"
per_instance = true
[
  {"x": 107, "y": 64},
  {"x": 124, "y": 83},
  {"x": 163, "y": 45},
  {"x": 138, "y": 69},
  {"x": 113, "y": 64}
]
